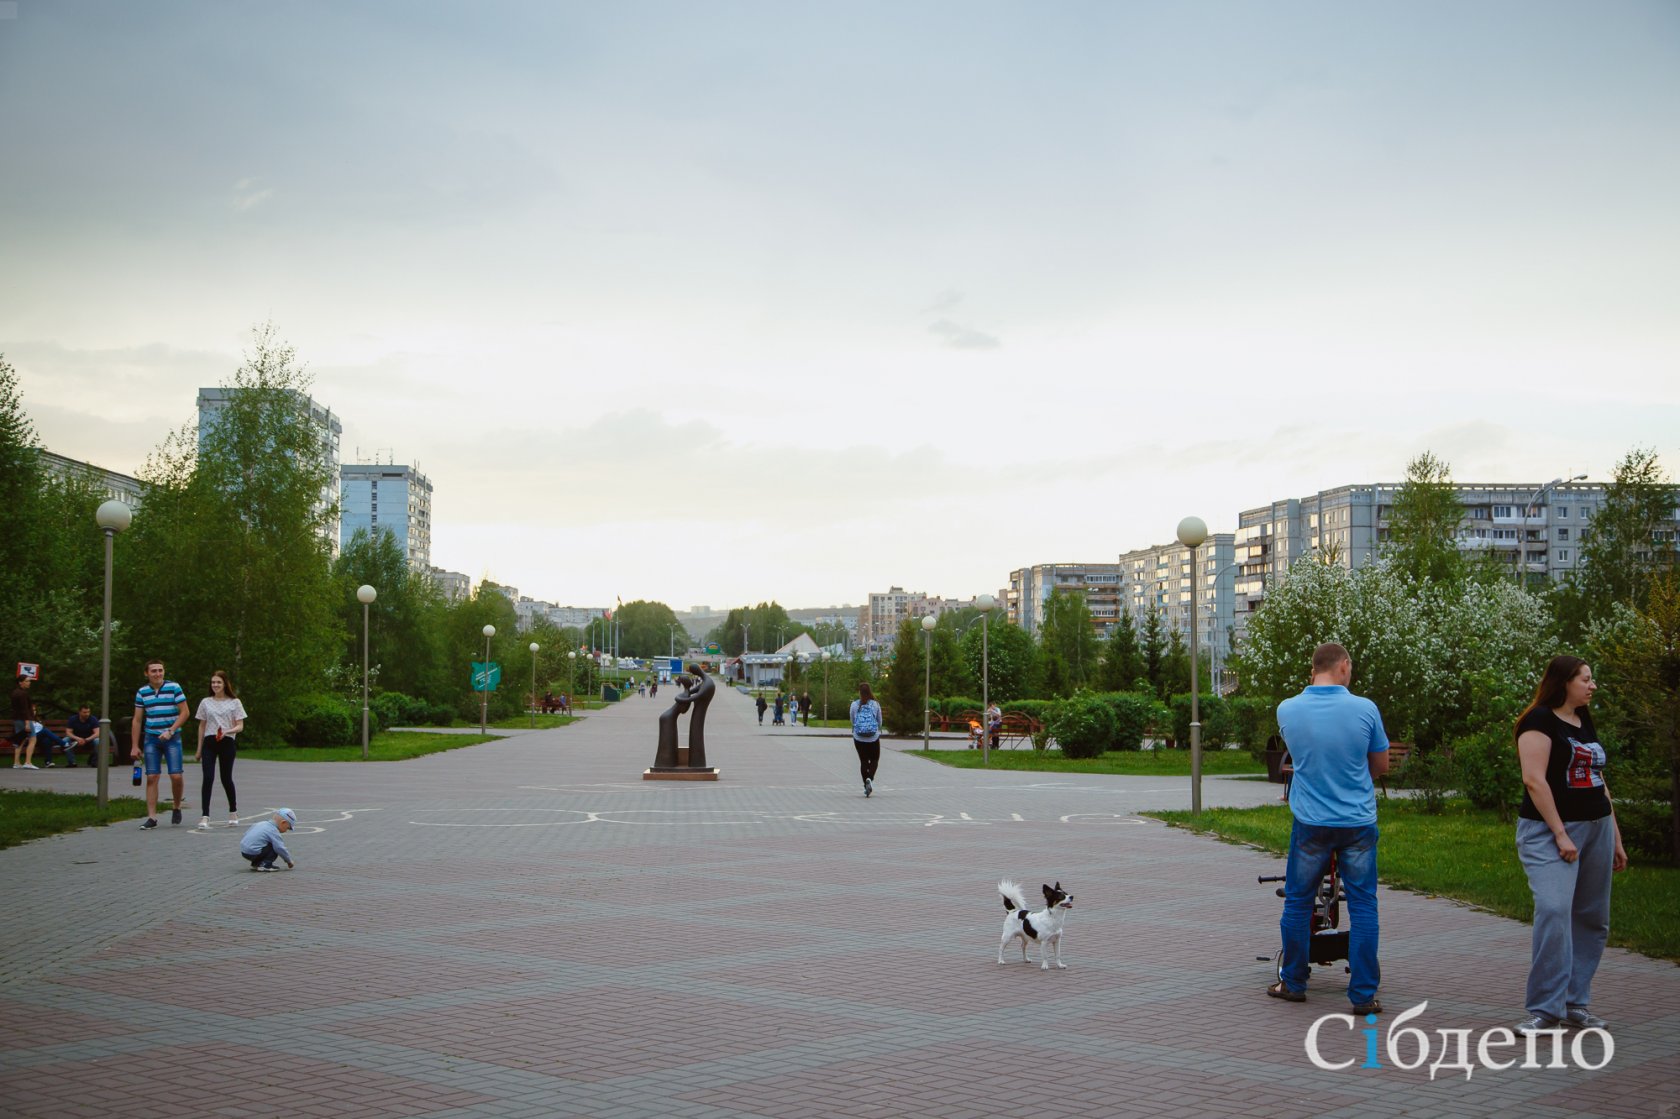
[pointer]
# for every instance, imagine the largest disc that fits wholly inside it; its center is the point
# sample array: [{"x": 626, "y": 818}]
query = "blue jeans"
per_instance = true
[
  {"x": 1310, "y": 848},
  {"x": 160, "y": 754},
  {"x": 1571, "y": 912}
]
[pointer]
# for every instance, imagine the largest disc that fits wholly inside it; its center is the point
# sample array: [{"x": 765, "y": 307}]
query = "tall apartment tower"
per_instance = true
[
  {"x": 1030, "y": 589},
  {"x": 381, "y": 497},
  {"x": 211, "y": 402}
]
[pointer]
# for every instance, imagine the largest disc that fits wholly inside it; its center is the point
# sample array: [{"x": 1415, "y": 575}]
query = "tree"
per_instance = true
[
  {"x": 1155, "y": 653},
  {"x": 21, "y": 553},
  {"x": 228, "y": 565},
  {"x": 1068, "y": 644},
  {"x": 1012, "y": 657},
  {"x": 645, "y": 629},
  {"x": 1423, "y": 525},
  {"x": 1629, "y": 542},
  {"x": 1122, "y": 661},
  {"x": 1175, "y": 667},
  {"x": 901, "y": 692},
  {"x": 405, "y": 622},
  {"x": 769, "y": 623}
]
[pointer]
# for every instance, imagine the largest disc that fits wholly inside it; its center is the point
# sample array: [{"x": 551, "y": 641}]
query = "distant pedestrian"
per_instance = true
[
  {"x": 265, "y": 841},
  {"x": 776, "y": 721},
  {"x": 761, "y": 706},
  {"x": 793, "y": 710},
  {"x": 23, "y": 724},
  {"x": 805, "y": 707},
  {"x": 160, "y": 711},
  {"x": 866, "y": 735},
  {"x": 221, "y": 719}
]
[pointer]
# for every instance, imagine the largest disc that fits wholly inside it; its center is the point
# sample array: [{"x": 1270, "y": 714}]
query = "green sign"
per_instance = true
[
  {"x": 480, "y": 671},
  {"x": 714, "y": 647}
]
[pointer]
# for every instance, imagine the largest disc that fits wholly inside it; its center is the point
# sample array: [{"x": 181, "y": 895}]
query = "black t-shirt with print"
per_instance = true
[{"x": 1575, "y": 769}]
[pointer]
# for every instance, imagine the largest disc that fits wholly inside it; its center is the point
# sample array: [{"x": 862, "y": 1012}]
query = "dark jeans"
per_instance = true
[
  {"x": 869, "y": 756},
  {"x": 265, "y": 857},
  {"x": 213, "y": 756},
  {"x": 1310, "y": 848}
]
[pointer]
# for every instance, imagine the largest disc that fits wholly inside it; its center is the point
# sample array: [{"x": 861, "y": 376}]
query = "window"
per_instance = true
[
  {"x": 1563, "y": 512},
  {"x": 1563, "y": 534},
  {"x": 1502, "y": 510},
  {"x": 1478, "y": 514},
  {"x": 1563, "y": 555}
]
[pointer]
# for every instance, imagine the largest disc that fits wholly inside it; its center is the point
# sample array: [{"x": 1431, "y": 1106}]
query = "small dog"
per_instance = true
[{"x": 1043, "y": 925}]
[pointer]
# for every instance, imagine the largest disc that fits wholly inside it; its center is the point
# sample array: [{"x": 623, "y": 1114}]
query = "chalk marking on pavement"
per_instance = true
[{"x": 678, "y": 817}]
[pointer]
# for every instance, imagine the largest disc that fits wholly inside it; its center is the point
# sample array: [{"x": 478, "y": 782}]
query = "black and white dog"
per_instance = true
[{"x": 1043, "y": 925}]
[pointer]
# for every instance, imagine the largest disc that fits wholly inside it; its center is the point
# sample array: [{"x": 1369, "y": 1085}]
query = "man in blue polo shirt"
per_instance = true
[
  {"x": 160, "y": 711},
  {"x": 1338, "y": 744}
]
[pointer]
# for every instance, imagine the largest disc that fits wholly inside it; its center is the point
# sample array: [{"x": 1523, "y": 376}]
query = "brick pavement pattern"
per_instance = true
[{"x": 527, "y": 929}]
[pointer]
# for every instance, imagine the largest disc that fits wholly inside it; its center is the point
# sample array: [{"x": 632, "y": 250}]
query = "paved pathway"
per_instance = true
[{"x": 526, "y": 928}]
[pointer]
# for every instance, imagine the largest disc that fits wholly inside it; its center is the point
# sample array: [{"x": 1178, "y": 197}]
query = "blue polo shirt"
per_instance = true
[
  {"x": 1329, "y": 732},
  {"x": 162, "y": 705}
]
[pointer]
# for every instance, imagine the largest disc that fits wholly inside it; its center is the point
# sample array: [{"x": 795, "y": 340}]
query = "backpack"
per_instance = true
[{"x": 866, "y": 723}]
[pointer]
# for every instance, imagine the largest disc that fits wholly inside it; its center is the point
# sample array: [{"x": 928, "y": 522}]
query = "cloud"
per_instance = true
[
  {"x": 944, "y": 302},
  {"x": 961, "y": 337},
  {"x": 247, "y": 195}
]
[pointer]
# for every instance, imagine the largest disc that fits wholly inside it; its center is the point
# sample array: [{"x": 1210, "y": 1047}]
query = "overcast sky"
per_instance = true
[{"x": 720, "y": 302}]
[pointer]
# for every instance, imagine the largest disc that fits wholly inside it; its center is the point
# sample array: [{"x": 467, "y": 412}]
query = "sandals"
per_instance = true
[{"x": 1279, "y": 990}]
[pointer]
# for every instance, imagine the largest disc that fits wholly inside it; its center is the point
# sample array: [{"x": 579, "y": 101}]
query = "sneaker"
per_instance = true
[
  {"x": 175, "y": 816},
  {"x": 28, "y": 765},
  {"x": 868, "y": 787},
  {"x": 1536, "y": 1024},
  {"x": 151, "y": 822},
  {"x": 233, "y": 821},
  {"x": 1583, "y": 1019},
  {"x": 49, "y": 765},
  {"x": 264, "y": 869},
  {"x": 204, "y": 824}
]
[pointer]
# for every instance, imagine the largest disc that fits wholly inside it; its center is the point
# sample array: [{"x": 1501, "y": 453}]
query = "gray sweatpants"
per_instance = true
[{"x": 1571, "y": 911}]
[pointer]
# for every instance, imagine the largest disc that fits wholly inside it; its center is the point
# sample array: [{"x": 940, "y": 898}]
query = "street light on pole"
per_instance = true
[
  {"x": 673, "y": 627},
  {"x": 112, "y": 517},
  {"x": 1192, "y": 531},
  {"x": 571, "y": 673},
  {"x": 533, "y": 684},
  {"x": 826, "y": 655},
  {"x": 928, "y": 622},
  {"x": 365, "y": 595},
  {"x": 986, "y": 603},
  {"x": 484, "y": 704},
  {"x": 1522, "y": 532}
]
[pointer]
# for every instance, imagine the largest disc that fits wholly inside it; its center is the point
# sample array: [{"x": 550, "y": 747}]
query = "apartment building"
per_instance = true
[
  {"x": 1030, "y": 589},
  {"x": 1157, "y": 580},
  {"x": 454, "y": 585},
  {"x": 381, "y": 497},
  {"x": 122, "y": 487},
  {"x": 878, "y": 619}
]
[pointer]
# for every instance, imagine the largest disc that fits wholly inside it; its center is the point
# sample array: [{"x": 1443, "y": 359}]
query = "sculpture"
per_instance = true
[
  {"x": 700, "y": 693},
  {"x": 696, "y": 694}
]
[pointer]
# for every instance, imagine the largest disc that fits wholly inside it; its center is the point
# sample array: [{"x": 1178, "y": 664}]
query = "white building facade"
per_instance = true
[{"x": 391, "y": 499}]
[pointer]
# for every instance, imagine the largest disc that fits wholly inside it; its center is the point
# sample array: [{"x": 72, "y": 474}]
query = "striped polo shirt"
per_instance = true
[{"x": 162, "y": 705}]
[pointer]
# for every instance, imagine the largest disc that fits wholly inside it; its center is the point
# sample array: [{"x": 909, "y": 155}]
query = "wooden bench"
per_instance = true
[
  {"x": 59, "y": 727},
  {"x": 1014, "y": 730},
  {"x": 1399, "y": 753}
]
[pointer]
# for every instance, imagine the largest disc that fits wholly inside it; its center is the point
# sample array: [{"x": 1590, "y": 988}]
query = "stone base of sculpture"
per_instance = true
[{"x": 680, "y": 773}]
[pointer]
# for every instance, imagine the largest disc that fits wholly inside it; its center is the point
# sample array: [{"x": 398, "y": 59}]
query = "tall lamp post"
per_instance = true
[
  {"x": 365, "y": 595},
  {"x": 112, "y": 517},
  {"x": 928, "y": 622},
  {"x": 986, "y": 603},
  {"x": 826, "y": 656},
  {"x": 571, "y": 673},
  {"x": 673, "y": 626},
  {"x": 1522, "y": 532},
  {"x": 484, "y": 703},
  {"x": 1192, "y": 531},
  {"x": 534, "y": 648}
]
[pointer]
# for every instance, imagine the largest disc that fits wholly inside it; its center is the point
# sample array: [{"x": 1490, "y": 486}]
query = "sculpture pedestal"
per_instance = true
[{"x": 680, "y": 773}]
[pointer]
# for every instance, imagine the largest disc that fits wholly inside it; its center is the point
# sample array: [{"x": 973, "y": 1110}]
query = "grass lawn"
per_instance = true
[
  {"x": 1130, "y": 763},
  {"x": 27, "y": 814},
  {"x": 390, "y": 746},
  {"x": 1469, "y": 854}
]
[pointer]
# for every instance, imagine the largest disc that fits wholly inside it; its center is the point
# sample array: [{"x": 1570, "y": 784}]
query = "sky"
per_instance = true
[{"x": 715, "y": 303}]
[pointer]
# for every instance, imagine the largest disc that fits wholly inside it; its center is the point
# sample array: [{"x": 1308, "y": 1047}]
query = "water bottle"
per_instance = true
[{"x": 136, "y": 775}]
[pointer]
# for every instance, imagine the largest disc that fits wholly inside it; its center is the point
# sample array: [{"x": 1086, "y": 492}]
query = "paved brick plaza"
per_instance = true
[{"x": 526, "y": 928}]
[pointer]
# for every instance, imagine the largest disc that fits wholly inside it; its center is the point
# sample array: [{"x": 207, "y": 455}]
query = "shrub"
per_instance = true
[
  {"x": 1032, "y": 708},
  {"x": 1134, "y": 714},
  {"x": 1253, "y": 722},
  {"x": 1082, "y": 724},
  {"x": 1431, "y": 776},
  {"x": 438, "y": 715},
  {"x": 397, "y": 710},
  {"x": 323, "y": 720},
  {"x": 1216, "y": 721},
  {"x": 1488, "y": 772},
  {"x": 956, "y": 705}
]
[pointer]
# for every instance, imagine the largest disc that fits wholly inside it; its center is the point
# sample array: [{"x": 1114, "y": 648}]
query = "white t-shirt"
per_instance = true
[{"x": 219, "y": 714}]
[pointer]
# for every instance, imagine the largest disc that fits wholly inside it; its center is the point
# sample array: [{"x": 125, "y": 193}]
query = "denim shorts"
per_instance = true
[{"x": 170, "y": 753}]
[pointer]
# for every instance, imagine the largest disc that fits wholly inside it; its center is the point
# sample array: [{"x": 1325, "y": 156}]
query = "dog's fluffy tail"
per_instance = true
[{"x": 1012, "y": 897}]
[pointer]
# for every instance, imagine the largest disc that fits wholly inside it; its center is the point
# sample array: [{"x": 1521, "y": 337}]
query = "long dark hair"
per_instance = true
[
  {"x": 865, "y": 695},
  {"x": 227, "y": 684},
  {"x": 1554, "y": 685}
]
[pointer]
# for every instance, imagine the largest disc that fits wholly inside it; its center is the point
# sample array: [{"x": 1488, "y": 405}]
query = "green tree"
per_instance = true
[
  {"x": 1068, "y": 645},
  {"x": 902, "y": 691},
  {"x": 1122, "y": 660},
  {"x": 1175, "y": 667},
  {"x": 1630, "y": 540},
  {"x": 1012, "y": 658},
  {"x": 645, "y": 630},
  {"x": 1423, "y": 525},
  {"x": 406, "y": 650},
  {"x": 1155, "y": 653},
  {"x": 769, "y": 623},
  {"x": 228, "y": 561}
]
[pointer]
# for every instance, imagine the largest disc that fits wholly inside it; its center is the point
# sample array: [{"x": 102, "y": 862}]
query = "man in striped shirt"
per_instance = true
[{"x": 160, "y": 710}]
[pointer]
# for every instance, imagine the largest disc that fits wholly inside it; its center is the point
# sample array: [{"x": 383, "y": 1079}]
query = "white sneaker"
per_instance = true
[
  {"x": 233, "y": 821},
  {"x": 27, "y": 765},
  {"x": 204, "y": 823}
]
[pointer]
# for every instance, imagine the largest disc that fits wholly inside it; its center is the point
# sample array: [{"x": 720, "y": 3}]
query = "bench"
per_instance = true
[
  {"x": 58, "y": 726},
  {"x": 1014, "y": 729},
  {"x": 1399, "y": 753}
]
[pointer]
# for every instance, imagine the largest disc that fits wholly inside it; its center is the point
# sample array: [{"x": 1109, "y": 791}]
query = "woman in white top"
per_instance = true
[{"x": 220, "y": 719}]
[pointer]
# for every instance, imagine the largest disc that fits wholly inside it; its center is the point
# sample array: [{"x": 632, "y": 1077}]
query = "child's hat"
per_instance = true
[{"x": 290, "y": 816}]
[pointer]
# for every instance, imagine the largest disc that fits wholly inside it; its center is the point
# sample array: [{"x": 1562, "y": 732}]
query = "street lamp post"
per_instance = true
[
  {"x": 112, "y": 517},
  {"x": 825, "y": 658},
  {"x": 365, "y": 595},
  {"x": 484, "y": 703},
  {"x": 672, "y": 626},
  {"x": 571, "y": 673},
  {"x": 534, "y": 648},
  {"x": 928, "y": 622},
  {"x": 1192, "y": 531},
  {"x": 1521, "y": 565},
  {"x": 986, "y": 603}
]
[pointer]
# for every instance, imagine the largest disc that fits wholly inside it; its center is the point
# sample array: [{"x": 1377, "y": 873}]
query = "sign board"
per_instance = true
[
  {"x": 28, "y": 671},
  {"x": 482, "y": 672},
  {"x": 714, "y": 648}
]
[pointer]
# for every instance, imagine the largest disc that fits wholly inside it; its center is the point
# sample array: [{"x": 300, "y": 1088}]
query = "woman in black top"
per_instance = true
[{"x": 1569, "y": 844}]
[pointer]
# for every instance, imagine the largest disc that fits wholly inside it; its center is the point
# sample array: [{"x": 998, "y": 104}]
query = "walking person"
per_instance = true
[
  {"x": 1339, "y": 746},
  {"x": 776, "y": 712},
  {"x": 1569, "y": 843},
  {"x": 761, "y": 706},
  {"x": 805, "y": 707},
  {"x": 23, "y": 724},
  {"x": 160, "y": 711},
  {"x": 866, "y": 735},
  {"x": 221, "y": 718}
]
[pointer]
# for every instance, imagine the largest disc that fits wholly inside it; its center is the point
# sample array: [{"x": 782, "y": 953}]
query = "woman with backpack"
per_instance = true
[{"x": 866, "y": 735}]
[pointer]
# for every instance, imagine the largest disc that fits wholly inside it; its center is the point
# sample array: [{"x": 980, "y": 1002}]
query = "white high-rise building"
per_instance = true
[{"x": 386, "y": 498}]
